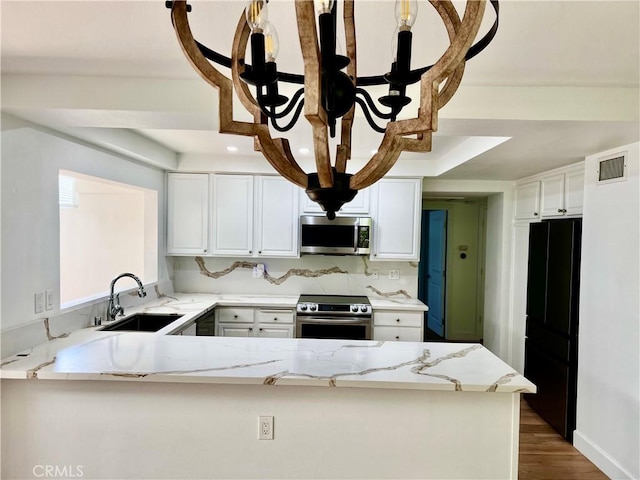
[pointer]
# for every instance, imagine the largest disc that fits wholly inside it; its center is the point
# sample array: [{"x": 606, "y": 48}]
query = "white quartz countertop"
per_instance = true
[
  {"x": 92, "y": 354},
  {"x": 131, "y": 356},
  {"x": 397, "y": 304}
]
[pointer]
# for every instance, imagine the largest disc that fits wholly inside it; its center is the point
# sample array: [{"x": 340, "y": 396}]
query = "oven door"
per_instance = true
[{"x": 343, "y": 328}]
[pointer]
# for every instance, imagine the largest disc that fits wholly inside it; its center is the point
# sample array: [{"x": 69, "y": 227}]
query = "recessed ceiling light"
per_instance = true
[
  {"x": 232, "y": 149},
  {"x": 304, "y": 151}
]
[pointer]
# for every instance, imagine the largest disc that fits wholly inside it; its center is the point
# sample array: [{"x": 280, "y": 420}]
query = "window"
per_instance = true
[{"x": 111, "y": 228}]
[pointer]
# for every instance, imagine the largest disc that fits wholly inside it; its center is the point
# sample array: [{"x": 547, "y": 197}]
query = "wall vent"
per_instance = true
[{"x": 612, "y": 168}]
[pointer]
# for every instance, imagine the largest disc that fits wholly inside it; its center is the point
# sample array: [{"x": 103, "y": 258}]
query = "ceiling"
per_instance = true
[{"x": 560, "y": 81}]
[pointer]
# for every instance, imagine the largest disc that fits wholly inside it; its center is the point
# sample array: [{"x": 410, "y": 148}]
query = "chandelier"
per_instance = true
[{"x": 329, "y": 93}]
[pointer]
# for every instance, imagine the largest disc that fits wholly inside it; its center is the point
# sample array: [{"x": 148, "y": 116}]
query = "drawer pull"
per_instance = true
[
  {"x": 251, "y": 329},
  {"x": 398, "y": 320},
  {"x": 275, "y": 319},
  {"x": 260, "y": 329},
  {"x": 235, "y": 316}
]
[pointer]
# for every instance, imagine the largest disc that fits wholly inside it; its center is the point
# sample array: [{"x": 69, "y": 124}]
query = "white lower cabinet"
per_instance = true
[
  {"x": 398, "y": 326},
  {"x": 254, "y": 322}
]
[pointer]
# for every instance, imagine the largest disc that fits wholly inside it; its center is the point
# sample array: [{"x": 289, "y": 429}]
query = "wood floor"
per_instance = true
[{"x": 545, "y": 455}]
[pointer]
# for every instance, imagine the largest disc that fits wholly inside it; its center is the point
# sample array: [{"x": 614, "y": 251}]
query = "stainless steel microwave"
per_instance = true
[{"x": 340, "y": 236}]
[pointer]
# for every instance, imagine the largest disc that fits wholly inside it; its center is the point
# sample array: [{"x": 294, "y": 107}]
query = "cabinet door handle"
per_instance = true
[
  {"x": 251, "y": 329},
  {"x": 205, "y": 250},
  {"x": 260, "y": 329},
  {"x": 560, "y": 210},
  {"x": 259, "y": 252},
  {"x": 235, "y": 316},
  {"x": 397, "y": 337},
  {"x": 535, "y": 214}
]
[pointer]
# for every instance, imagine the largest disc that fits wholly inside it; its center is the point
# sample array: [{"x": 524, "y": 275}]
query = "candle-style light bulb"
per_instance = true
[
  {"x": 257, "y": 15},
  {"x": 271, "y": 43},
  {"x": 323, "y": 6},
  {"x": 406, "y": 12}
]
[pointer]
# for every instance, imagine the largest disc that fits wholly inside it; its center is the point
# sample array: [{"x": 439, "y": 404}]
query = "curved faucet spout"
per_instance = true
[{"x": 114, "y": 308}]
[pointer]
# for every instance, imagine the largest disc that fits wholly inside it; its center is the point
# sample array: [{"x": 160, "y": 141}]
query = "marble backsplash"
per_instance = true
[{"x": 310, "y": 274}]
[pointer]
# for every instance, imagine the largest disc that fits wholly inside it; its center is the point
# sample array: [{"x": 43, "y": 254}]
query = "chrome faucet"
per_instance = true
[{"x": 114, "y": 308}]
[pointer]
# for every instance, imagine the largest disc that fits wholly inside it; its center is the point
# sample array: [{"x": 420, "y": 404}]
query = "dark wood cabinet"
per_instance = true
[{"x": 551, "y": 346}]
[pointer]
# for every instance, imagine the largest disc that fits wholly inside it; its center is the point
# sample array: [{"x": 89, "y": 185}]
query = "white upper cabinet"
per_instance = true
[
  {"x": 232, "y": 216},
  {"x": 574, "y": 191},
  {"x": 553, "y": 195},
  {"x": 277, "y": 222},
  {"x": 360, "y": 205},
  {"x": 396, "y": 207},
  {"x": 187, "y": 213},
  {"x": 556, "y": 193},
  {"x": 562, "y": 193},
  {"x": 527, "y": 201}
]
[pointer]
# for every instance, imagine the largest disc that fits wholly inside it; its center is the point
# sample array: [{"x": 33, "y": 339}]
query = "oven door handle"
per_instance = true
[{"x": 346, "y": 320}]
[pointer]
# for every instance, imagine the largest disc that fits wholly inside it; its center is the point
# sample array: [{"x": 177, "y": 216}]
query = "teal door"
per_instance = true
[{"x": 436, "y": 261}]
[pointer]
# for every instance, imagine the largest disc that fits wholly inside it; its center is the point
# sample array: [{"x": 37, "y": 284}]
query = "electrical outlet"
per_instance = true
[
  {"x": 38, "y": 302},
  {"x": 48, "y": 300},
  {"x": 258, "y": 270},
  {"x": 374, "y": 273},
  {"x": 265, "y": 428},
  {"x": 394, "y": 274}
]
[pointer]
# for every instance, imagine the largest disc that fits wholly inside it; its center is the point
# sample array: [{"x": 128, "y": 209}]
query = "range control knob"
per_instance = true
[
  {"x": 354, "y": 308},
  {"x": 303, "y": 307},
  {"x": 313, "y": 308},
  {"x": 363, "y": 308}
]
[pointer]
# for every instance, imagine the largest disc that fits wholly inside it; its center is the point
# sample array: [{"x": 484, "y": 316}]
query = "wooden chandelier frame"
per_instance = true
[{"x": 413, "y": 135}]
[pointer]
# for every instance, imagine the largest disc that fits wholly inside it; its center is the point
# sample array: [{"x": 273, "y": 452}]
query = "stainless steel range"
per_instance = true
[{"x": 333, "y": 316}]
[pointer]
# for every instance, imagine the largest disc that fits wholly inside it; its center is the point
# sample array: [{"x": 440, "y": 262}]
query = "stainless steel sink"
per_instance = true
[{"x": 143, "y": 322}]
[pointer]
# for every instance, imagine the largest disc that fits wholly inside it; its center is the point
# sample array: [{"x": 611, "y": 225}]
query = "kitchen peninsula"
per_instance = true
[{"x": 141, "y": 405}]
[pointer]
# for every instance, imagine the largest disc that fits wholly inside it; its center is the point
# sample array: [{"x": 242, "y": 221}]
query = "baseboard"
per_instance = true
[{"x": 600, "y": 458}]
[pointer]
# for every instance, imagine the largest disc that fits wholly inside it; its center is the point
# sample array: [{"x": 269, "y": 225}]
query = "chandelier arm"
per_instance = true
[
  {"x": 288, "y": 108},
  {"x": 313, "y": 110},
  {"x": 371, "y": 104},
  {"x": 343, "y": 150},
  {"x": 272, "y": 151},
  {"x": 368, "y": 116},
  {"x": 381, "y": 162},
  {"x": 452, "y": 22},
  {"x": 292, "y": 122}
]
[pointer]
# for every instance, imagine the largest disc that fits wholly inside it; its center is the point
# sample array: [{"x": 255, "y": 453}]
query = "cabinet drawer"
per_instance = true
[
  {"x": 397, "y": 334},
  {"x": 274, "y": 316},
  {"x": 234, "y": 315},
  {"x": 398, "y": 319}
]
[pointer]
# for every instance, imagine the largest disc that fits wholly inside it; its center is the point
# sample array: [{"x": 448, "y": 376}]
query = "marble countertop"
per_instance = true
[
  {"x": 397, "y": 304},
  {"x": 92, "y": 354}
]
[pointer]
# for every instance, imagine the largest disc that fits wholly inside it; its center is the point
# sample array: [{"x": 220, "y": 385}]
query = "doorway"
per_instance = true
[{"x": 451, "y": 273}]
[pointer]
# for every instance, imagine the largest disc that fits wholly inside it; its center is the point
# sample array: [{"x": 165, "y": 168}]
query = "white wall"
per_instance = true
[
  {"x": 497, "y": 301},
  {"x": 31, "y": 159},
  {"x": 608, "y": 407}
]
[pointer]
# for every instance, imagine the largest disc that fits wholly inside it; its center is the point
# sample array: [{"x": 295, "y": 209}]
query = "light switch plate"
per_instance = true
[
  {"x": 48, "y": 301},
  {"x": 38, "y": 302}
]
